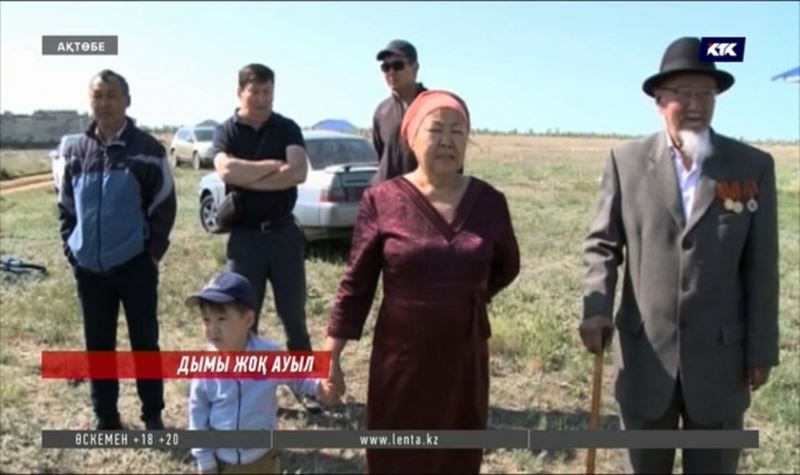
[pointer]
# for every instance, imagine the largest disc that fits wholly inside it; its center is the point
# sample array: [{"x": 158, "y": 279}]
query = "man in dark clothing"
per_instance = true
[
  {"x": 261, "y": 154},
  {"x": 399, "y": 65},
  {"x": 117, "y": 208}
]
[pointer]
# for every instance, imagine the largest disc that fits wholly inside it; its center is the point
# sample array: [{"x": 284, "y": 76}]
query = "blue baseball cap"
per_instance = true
[{"x": 225, "y": 287}]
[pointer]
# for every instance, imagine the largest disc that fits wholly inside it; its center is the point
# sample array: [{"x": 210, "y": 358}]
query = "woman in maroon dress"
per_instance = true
[{"x": 445, "y": 245}]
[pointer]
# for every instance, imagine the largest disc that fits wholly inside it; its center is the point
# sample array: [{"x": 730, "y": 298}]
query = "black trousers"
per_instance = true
[
  {"x": 135, "y": 285},
  {"x": 277, "y": 257},
  {"x": 694, "y": 460}
]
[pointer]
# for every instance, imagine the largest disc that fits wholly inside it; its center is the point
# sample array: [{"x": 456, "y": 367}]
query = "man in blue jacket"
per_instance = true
[{"x": 117, "y": 207}]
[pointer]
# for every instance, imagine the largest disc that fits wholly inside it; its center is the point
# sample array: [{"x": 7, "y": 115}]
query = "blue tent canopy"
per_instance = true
[
  {"x": 337, "y": 125},
  {"x": 792, "y": 75}
]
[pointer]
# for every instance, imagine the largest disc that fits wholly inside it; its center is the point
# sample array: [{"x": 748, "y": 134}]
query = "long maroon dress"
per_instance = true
[{"x": 429, "y": 364}]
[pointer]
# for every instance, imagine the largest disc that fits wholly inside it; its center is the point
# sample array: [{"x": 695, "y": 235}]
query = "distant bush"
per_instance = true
[
  {"x": 14, "y": 145},
  {"x": 160, "y": 130}
]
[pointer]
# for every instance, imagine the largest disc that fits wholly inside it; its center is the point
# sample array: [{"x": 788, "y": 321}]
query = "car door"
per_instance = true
[
  {"x": 191, "y": 141},
  {"x": 308, "y": 193},
  {"x": 184, "y": 147},
  {"x": 176, "y": 143}
]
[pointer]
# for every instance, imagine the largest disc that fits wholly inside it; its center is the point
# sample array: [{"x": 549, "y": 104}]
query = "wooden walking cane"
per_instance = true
[{"x": 597, "y": 386}]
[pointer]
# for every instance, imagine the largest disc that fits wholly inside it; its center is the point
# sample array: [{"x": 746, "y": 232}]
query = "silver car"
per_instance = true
[
  {"x": 57, "y": 159},
  {"x": 340, "y": 167},
  {"x": 192, "y": 144}
]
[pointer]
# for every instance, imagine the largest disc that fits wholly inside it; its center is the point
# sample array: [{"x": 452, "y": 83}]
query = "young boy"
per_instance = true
[{"x": 227, "y": 304}]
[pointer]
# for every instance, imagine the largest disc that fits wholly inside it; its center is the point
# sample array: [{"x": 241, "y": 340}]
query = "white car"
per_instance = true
[
  {"x": 57, "y": 160},
  {"x": 340, "y": 168},
  {"x": 192, "y": 144}
]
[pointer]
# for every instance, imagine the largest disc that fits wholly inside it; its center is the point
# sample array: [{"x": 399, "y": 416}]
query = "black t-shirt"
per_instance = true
[{"x": 241, "y": 140}]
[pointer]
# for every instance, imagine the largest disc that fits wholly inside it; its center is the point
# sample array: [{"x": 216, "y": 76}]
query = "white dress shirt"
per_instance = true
[
  {"x": 113, "y": 138},
  {"x": 687, "y": 179}
]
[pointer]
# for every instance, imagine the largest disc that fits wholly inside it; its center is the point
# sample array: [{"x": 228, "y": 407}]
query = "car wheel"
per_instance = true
[
  {"x": 195, "y": 160},
  {"x": 208, "y": 213},
  {"x": 173, "y": 159}
]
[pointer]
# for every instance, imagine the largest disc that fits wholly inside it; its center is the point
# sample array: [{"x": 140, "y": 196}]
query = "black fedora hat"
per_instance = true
[{"x": 683, "y": 56}]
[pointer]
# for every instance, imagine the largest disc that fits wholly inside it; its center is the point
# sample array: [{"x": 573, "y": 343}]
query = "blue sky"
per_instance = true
[{"x": 566, "y": 65}]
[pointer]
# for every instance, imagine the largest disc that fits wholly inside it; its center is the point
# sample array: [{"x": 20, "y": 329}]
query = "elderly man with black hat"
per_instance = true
[
  {"x": 694, "y": 215},
  {"x": 400, "y": 67}
]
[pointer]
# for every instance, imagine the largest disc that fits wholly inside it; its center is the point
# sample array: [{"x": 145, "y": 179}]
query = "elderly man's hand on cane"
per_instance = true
[{"x": 596, "y": 333}]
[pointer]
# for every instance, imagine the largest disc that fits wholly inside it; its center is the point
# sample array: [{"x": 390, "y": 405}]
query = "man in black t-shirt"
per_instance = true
[{"x": 262, "y": 154}]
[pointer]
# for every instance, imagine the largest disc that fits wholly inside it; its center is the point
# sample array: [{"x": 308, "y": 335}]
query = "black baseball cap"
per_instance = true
[
  {"x": 225, "y": 287},
  {"x": 398, "y": 47}
]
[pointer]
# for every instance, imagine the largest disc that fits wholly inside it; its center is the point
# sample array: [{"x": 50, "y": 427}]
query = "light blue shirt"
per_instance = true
[{"x": 238, "y": 404}]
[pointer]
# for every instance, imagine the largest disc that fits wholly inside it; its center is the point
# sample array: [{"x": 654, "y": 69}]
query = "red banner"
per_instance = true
[{"x": 185, "y": 364}]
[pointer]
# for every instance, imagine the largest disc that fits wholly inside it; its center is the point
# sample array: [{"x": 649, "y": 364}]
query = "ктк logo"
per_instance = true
[{"x": 715, "y": 49}]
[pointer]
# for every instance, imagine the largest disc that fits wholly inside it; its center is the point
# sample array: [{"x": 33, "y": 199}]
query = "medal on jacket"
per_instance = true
[
  {"x": 730, "y": 194},
  {"x": 733, "y": 195},
  {"x": 751, "y": 190},
  {"x": 729, "y": 204}
]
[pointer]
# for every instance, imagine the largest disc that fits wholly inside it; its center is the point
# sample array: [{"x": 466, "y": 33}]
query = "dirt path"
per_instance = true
[{"x": 31, "y": 182}]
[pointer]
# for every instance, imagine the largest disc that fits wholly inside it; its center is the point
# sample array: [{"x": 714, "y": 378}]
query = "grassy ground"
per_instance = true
[
  {"x": 540, "y": 374},
  {"x": 17, "y": 163}
]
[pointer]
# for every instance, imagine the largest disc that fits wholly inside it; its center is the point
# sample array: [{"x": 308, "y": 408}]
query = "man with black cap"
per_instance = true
[
  {"x": 695, "y": 213},
  {"x": 400, "y": 67}
]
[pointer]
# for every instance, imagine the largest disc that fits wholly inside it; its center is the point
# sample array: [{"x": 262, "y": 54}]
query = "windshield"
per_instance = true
[
  {"x": 66, "y": 141},
  {"x": 326, "y": 152},
  {"x": 204, "y": 135}
]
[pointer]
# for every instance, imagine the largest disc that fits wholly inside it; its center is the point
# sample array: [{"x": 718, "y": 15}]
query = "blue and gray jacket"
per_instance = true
[{"x": 117, "y": 199}]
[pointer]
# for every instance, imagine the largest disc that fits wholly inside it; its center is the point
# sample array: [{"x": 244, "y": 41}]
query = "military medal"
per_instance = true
[
  {"x": 736, "y": 196},
  {"x": 752, "y": 190},
  {"x": 729, "y": 204}
]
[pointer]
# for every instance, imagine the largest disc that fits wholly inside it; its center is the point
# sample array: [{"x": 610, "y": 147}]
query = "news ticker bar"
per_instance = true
[
  {"x": 401, "y": 439},
  {"x": 184, "y": 364}
]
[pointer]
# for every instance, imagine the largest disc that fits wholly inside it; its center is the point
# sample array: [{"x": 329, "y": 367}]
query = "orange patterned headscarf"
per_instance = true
[{"x": 424, "y": 104}]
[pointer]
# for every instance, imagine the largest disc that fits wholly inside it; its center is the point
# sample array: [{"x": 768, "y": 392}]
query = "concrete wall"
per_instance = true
[{"x": 40, "y": 129}]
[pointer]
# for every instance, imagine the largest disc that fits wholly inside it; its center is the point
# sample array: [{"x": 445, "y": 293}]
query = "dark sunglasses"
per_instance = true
[{"x": 398, "y": 65}]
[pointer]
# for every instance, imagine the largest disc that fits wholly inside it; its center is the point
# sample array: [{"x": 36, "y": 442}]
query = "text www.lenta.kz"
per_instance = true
[{"x": 400, "y": 440}]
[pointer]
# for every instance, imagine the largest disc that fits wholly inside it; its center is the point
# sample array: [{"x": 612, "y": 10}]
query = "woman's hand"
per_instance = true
[
  {"x": 328, "y": 393},
  {"x": 336, "y": 375},
  {"x": 336, "y": 378}
]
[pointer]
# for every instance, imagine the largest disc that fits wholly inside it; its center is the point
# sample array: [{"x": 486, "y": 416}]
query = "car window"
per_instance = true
[
  {"x": 326, "y": 152},
  {"x": 204, "y": 135}
]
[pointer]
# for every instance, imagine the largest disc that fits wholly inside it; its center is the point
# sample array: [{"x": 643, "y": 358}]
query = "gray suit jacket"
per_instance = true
[{"x": 699, "y": 298}]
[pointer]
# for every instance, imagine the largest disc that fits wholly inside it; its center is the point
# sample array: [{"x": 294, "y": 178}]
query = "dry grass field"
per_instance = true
[
  {"x": 17, "y": 163},
  {"x": 541, "y": 376}
]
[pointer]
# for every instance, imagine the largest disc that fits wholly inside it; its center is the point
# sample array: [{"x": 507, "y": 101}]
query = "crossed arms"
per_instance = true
[{"x": 267, "y": 174}]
